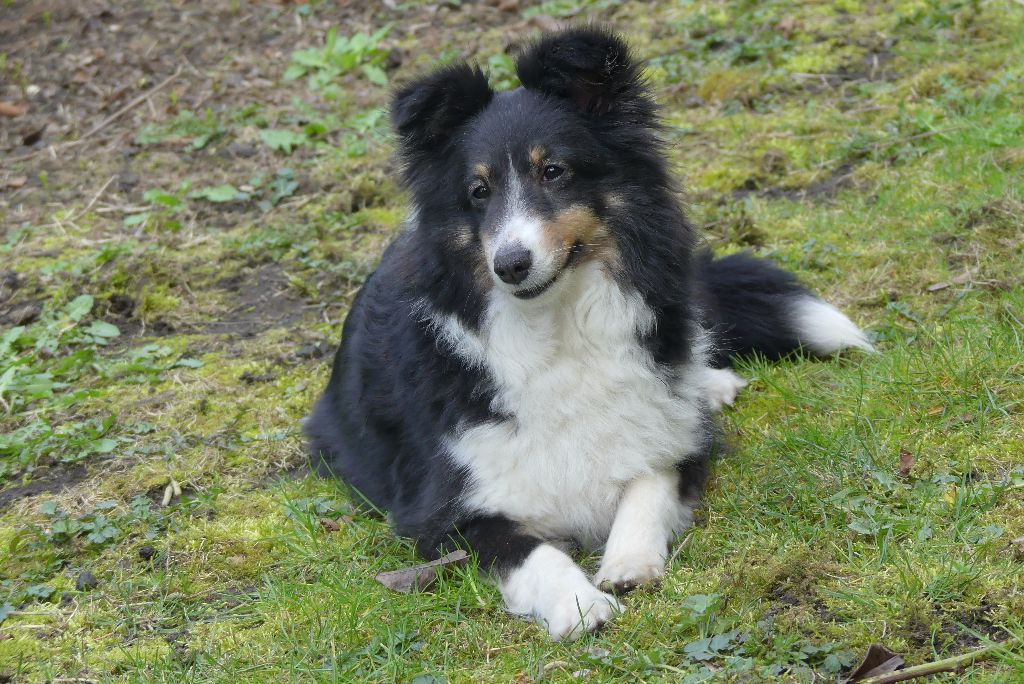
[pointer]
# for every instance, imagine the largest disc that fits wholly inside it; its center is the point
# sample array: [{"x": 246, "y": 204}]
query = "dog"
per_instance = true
[{"x": 540, "y": 356}]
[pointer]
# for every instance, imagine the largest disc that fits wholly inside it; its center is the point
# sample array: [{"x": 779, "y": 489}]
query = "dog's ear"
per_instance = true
[
  {"x": 590, "y": 66},
  {"x": 426, "y": 112}
]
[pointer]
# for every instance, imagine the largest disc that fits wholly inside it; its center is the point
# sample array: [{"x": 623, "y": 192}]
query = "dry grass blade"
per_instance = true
[{"x": 906, "y": 462}]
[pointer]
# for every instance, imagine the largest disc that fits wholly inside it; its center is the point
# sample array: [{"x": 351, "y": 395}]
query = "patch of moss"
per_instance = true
[{"x": 731, "y": 84}]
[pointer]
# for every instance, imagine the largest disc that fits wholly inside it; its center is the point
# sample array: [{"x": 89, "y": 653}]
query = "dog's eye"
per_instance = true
[
  {"x": 481, "y": 192},
  {"x": 551, "y": 172}
]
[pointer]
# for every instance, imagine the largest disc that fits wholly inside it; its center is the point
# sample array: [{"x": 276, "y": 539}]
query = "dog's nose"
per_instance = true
[{"x": 512, "y": 264}]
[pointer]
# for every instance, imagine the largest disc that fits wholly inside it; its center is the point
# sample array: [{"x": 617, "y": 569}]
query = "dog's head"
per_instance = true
[{"x": 523, "y": 183}]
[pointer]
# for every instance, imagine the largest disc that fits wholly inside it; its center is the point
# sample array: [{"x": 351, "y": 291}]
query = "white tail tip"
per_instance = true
[{"x": 824, "y": 329}]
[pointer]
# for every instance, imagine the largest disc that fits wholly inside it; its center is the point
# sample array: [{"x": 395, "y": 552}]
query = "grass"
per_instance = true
[{"x": 875, "y": 150}]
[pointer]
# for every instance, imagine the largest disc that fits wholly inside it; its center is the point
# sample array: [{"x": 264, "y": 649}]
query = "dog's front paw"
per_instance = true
[
  {"x": 577, "y": 613},
  {"x": 556, "y": 593},
  {"x": 722, "y": 386},
  {"x": 626, "y": 573}
]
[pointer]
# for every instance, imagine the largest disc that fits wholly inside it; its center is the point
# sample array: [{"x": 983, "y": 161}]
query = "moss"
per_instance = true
[
  {"x": 731, "y": 84},
  {"x": 822, "y": 58},
  {"x": 119, "y": 658},
  {"x": 157, "y": 300}
]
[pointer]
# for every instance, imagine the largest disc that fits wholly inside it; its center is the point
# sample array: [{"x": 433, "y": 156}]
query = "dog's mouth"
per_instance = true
[{"x": 575, "y": 252}]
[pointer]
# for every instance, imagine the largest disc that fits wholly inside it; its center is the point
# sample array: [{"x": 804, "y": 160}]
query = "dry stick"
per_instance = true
[
  {"x": 82, "y": 212},
  {"x": 109, "y": 120},
  {"x": 954, "y": 664},
  {"x": 79, "y": 214}
]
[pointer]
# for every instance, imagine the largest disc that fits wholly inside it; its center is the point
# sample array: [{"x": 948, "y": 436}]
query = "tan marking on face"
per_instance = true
[
  {"x": 579, "y": 224},
  {"x": 480, "y": 265},
  {"x": 482, "y": 171},
  {"x": 482, "y": 273},
  {"x": 537, "y": 155},
  {"x": 485, "y": 243}
]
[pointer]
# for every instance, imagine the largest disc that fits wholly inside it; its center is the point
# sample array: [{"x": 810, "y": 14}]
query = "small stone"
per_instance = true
[
  {"x": 9, "y": 281},
  {"x": 394, "y": 59},
  {"x": 86, "y": 581},
  {"x": 122, "y": 305},
  {"x": 311, "y": 351},
  {"x": 250, "y": 378},
  {"x": 25, "y": 314},
  {"x": 127, "y": 182},
  {"x": 240, "y": 149}
]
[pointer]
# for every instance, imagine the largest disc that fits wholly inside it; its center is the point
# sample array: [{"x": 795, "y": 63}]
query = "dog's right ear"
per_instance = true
[{"x": 426, "y": 112}]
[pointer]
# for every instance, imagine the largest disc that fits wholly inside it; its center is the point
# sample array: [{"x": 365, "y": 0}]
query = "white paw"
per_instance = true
[
  {"x": 575, "y": 614},
  {"x": 722, "y": 386},
  {"x": 625, "y": 573},
  {"x": 552, "y": 590}
]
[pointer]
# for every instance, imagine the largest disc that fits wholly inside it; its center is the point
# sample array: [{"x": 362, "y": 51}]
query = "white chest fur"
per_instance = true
[{"x": 589, "y": 411}]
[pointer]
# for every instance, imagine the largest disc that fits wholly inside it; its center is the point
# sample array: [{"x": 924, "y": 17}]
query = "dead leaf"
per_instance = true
[
  {"x": 878, "y": 660},
  {"x": 420, "y": 577},
  {"x": 1019, "y": 543},
  {"x": 508, "y": 5},
  {"x": 786, "y": 26},
  {"x": 16, "y": 182},
  {"x": 961, "y": 279},
  {"x": 12, "y": 110},
  {"x": 906, "y": 462},
  {"x": 30, "y": 138},
  {"x": 959, "y": 419},
  {"x": 83, "y": 76}
]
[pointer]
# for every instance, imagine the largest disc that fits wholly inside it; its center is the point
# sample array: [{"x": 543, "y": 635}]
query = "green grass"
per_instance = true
[{"x": 873, "y": 149}]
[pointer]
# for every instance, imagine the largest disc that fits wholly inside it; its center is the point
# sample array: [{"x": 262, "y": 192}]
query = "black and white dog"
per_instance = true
[{"x": 540, "y": 355}]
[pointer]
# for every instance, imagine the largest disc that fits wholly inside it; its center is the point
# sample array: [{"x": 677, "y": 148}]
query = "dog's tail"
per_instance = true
[{"x": 752, "y": 306}]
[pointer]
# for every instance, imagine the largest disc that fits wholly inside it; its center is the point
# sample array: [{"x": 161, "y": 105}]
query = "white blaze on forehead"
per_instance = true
[
  {"x": 515, "y": 204},
  {"x": 518, "y": 224}
]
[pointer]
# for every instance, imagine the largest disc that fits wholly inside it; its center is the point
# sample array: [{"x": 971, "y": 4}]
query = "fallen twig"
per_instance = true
[
  {"x": 133, "y": 104},
  {"x": 12, "y": 110},
  {"x": 953, "y": 664},
  {"x": 106, "y": 122},
  {"x": 85, "y": 210}
]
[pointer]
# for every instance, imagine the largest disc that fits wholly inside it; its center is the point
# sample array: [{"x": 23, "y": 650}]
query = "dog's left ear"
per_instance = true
[{"x": 590, "y": 66}]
